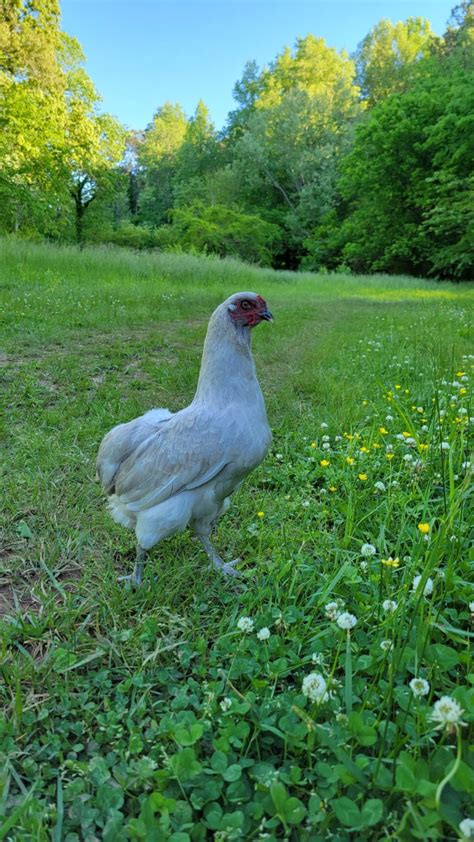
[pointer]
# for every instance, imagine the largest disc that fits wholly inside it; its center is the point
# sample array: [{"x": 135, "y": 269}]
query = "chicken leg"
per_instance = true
[
  {"x": 135, "y": 579},
  {"x": 226, "y": 567}
]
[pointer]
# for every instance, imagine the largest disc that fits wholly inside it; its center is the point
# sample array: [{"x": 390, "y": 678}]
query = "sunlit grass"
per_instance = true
[{"x": 150, "y": 715}]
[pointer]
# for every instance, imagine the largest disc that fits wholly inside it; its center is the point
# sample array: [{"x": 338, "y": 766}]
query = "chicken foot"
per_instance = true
[
  {"x": 226, "y": 567},
  {"x": 135, "y": 579}
]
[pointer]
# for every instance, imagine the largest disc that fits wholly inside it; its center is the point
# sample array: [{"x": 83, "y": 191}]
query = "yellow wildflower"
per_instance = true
[
  {"x": 463, "y": 391},
  {"x": 460, "y": 373},
  {"x": 365, "y": 403},
  {"x": 260, "y": 514},
  {"x": 364, "y": 449},
  {"x": 376, "y": 445},
  {"x": 313, "y": 444},
  {"x": 397, "y": 386},
  {"x": 383, "y": 431},
  {"x": 423, "y": 446},
  {"x": 332, "y": 488},
  {"x": 390, "y": 562},
  {"x": 362, "y": 477},
  {"x": 406, "y": 435},
  {"x": 350, "y": 460},
  {"x": 389, "y": 455},
  {"x": 424, "y": 528},
  {"x": 324, "y": 463}
]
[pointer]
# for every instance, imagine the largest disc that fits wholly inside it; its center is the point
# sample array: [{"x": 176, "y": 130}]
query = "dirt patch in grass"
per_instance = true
[{"x": 12, "y": 602}]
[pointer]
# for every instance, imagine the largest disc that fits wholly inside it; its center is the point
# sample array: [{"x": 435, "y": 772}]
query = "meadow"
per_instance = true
[{"x": 328, "y": 692}]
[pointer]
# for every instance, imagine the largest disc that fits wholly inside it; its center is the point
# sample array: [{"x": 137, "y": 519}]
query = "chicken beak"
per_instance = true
[{"x": 265, "y": 314}]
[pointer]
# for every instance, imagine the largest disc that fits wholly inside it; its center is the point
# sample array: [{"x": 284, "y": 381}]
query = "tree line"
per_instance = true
[{"x": 328, "y": 161}]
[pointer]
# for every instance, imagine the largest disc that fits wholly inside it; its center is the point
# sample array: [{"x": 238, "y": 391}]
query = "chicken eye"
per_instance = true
[{"x": 246, "y": 305}]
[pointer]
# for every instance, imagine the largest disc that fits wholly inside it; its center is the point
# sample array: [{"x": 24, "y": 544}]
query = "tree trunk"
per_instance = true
[{"x": 81, "y": 206}]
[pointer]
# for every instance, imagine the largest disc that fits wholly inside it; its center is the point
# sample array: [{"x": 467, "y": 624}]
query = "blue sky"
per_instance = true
[{"x": 141, "y": 53}]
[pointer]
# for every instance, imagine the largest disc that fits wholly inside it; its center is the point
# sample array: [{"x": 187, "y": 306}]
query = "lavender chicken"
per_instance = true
[{"x": 165, "y": 471}]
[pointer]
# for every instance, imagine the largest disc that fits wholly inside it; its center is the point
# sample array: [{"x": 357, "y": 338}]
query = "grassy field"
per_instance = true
[{"x": 150, "y": 714}]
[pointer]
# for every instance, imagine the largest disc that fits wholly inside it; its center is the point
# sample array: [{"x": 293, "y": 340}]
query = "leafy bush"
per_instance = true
[{"x": 223, "y": 231}]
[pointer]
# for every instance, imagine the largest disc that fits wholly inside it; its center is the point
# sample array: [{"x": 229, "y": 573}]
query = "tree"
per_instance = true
[
  {"x": 387, "y": 57},
  {"x": 33, "y": 80},
  {"x": 407, "y": 184},
  {"x": 53, "y": 143},
  {"x": 302, "y": 122},
  {"x": 157, "y": 154},
  {"x": 197, "y": 156},
  {"x": 246, "y": 93}
]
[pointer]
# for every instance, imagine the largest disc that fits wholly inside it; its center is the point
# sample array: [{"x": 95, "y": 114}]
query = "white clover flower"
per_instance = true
[
  {"x": 326, "y": 446},
  {"x": 465, "y": 466},
  {"x": 225, "y": 704},
  {"x": 323, "y": 425},
  {"x": 400, "y": 437},
  {"x": 447, "y": 712},
  {"x": 386, "y": 645},
  {"x": 245, "y": 624},
  {"x": 471, "y": 607},
  {"x": 306, "y": 504},
  {"x": 368, "y": 550},
  {"x": 317, "y": 658},
  {"x": 389, "y": 605},
  {"x": 419, "y": 687},
  {"x": 337, "y": 438},
  {"x": 346, "y": 621},
  {"x": 427, "y": 590},
  {"x": 279, "y": 456},
  {"x": 445, "y": 445},
  {"x": 315, "y": 687},
  {"x": 263, "y": 634},
  {"x": 364, "y": 565},
  {"x": 408, "y": 458},
  {"x": 467, "y": 828},
  {"x": 389, "y": 448},
  {"x": 379, "y": 486},
  {"x": 389, "y": 417},
  {"x": 425, "y": 428},
  {"x": 410, "y": 440},
  {"x": 333, "y": 609},
  {"x": 326, "y": 438}
]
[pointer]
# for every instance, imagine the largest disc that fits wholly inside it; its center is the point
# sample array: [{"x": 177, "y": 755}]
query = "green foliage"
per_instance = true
[
  {"x": 407, "y": 183},
  {"x": 357, "y": 163},
  {"x": 223, "y": 231},
  {"x": 156, "y": 157},
  {"x": 56, "y": 152},
  {"x": 150, "y": 715},
  {"x": 387, "y": 58}
]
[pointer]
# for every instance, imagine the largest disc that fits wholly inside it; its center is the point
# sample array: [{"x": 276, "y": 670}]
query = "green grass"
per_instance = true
[{"x": 148, "y": 714}]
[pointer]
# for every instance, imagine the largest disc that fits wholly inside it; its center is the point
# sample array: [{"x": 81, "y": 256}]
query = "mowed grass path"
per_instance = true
[{"x": 149, "y": 715}]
